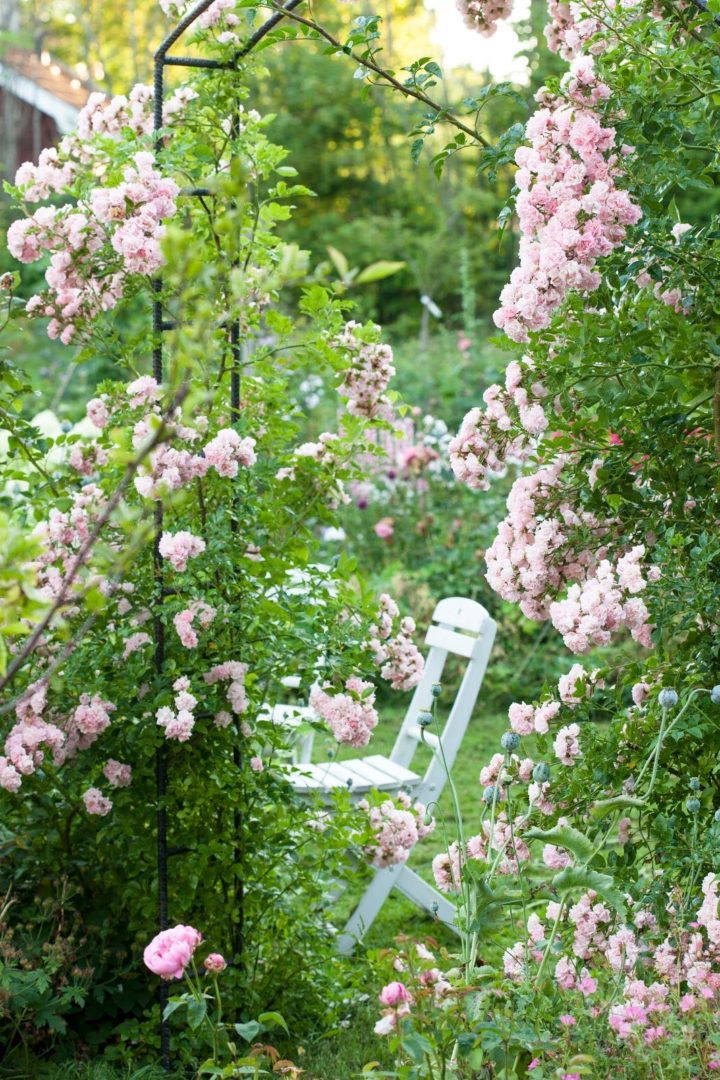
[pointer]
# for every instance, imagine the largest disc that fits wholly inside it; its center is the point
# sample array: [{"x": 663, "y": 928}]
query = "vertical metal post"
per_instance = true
[
  {"x": 159, "y": 325},
  {"x": 158, "y": 622}
]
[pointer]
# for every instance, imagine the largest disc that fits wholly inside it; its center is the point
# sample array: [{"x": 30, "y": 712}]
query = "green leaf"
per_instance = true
[
  {"x": 209, "y": 1068},
  {"x": 197, "y": 1011},
  {"x": 378, "y": 270},
  {"x": 416, "y": 1045},
  {"x": 173, "y": 1005},
  {"x": 565, "y": 836},
  {"x": 94, "y": 600},
  {"x": 606, "y": 806},
  {"x": 339, "y": 261},
  {"x": 248, "y": 1031},
  {"x": 575, "y": 879},
  {"x": 273, "y": 1019}
]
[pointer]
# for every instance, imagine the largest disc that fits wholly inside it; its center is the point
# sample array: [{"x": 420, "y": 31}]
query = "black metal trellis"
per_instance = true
[{"x": 160, "y": 326}]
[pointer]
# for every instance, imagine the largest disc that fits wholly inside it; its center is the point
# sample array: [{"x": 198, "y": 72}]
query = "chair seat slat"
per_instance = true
[
  {"x": 315, "y": 777},
  {"x": 365, "y": 773},
  {"x": 394, "y": 770},
  {"x": 370, "y": 776}
]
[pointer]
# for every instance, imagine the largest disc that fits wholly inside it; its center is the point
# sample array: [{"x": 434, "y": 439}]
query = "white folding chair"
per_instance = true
[{"x": 461, "y": 627}]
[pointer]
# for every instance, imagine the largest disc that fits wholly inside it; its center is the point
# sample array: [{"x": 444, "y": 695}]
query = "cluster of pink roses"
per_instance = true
[
  {"x": 397, "y": 825},
  {"x": 227, "y": 451},
  {"x": 484, "y": 15},
  {"x": 97, "y": 803},
  {"x": 418, "y": 967},
  {"x": 179, "y": 547},
  {"x": 110, "y": 116},
  {"x": 22, "y": 750},
  {"x": 167, "y": 469},
  {"x": 532, "y": 556},
  {"x": 526, "y": 719},
  {"x": 537, "y": 553},
  {"x": 351, "y": 716},
  {"x": 570, "y": 209},
  {"x": 605, "y": 603},
  {"x": 117, "y": 774},
  {"x": 57, "y": 169},
  {"x": 183, "y": 622},
  {"x": 506, "y": 432},
  {"x": 399, "y": 659},
  {"x": 93, "y": 246},
  {"x": 220, "y": 16},
  {"x": 678, "y": 973},
  {"x": 178, "y": 723},
  {"x": 500, "y": 842},
  {"x": 234, "y": 673},
  {"x": 366, "y": 380},
  {"x": 169, "y": 466},
  {"x": 571, "y": 26},
  {"x": 61, "y": 537},
  {"x": 87, "y": 458},
  {"x": 64, "y": 736}
]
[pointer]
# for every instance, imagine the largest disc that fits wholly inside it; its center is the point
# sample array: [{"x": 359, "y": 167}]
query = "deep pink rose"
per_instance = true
[
  {"x": 215, "y": 962},
  {"x": 394, "y": 994},
  {"x": 384, "y": 528},
  {"x": 170, "y": 951}
]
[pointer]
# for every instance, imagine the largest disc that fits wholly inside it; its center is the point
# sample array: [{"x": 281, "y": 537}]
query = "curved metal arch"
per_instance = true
[{"x": 163, "y": 59}]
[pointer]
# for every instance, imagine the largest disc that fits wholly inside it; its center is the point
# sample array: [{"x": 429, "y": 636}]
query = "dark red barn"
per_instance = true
[{"x": 39, "y": 103}]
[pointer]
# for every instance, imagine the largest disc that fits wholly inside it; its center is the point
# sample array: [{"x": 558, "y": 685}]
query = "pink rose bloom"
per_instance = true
[
  {"x": 143, "y": 389},
  {"x": 170, "y": 951},
  {"x": 624, "y": 830},
  {"x": 587, "y": 985},
  {"x": 384, "y": 528},
  {"x": 521, "y": 718},
  {"x": 394, "y": 994},
  {"x": 97, "y": 413},
  {"x": 640, "y": 692},
  {"x": 256, "y": 764},
  {"x": 96, "y": 802},
  {"x": 179, "y": 547},
  {"x": 215, "y": 963},
  {"x": 116, "y": 773},
  {"x": 386, "y": 1024},
  {"x": 679, "y": 229}
]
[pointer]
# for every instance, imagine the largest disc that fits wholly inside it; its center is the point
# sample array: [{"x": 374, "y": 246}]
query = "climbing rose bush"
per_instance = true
[
  {"x": 175, "y": 547},
  {"x": 585, "y": 891}
]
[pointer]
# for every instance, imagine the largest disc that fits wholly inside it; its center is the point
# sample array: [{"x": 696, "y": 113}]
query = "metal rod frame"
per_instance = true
[{"x": 160, "y": 325}]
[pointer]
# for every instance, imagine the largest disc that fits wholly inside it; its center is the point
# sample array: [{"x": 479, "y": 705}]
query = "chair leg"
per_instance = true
[
  {"x": 426, "y": 896},
  {"x": 366, "y": 912}
]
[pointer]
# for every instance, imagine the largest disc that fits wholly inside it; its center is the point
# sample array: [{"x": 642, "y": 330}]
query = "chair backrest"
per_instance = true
[{"x": 464, "y": 628}]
